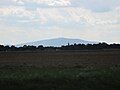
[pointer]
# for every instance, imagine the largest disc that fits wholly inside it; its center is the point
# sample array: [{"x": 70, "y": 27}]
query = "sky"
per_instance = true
[{"x": 24, "y": 21}]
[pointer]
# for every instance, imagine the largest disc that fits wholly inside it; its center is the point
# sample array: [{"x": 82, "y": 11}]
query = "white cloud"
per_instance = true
[
  {"x": 93, "y": 18},
  {"x": 47, "y": 2},
  {"x": 77, "y": 15},
  {"x": 16, "y": 11},
  {"x": 50, "y": 14},
  {"x": 60, "y": 3},
  {"x": 66, "y": 14}
]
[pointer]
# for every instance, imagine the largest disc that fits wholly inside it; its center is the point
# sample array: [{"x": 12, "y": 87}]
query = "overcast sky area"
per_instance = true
[{"x": 32, "y": 20}]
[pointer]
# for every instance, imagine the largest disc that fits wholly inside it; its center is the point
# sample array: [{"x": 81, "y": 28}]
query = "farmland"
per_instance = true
[{"x": 60, "y": 70}]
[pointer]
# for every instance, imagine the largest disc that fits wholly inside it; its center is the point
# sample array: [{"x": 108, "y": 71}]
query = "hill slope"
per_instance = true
[{"x": 57, "y": 42}]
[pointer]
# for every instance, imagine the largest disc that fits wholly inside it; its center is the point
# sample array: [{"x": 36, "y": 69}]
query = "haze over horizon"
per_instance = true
[{"x": 33, "y": 20}]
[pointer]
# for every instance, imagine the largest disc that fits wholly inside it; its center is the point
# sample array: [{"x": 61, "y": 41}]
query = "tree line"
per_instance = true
[{"x": 99, "y": 46}]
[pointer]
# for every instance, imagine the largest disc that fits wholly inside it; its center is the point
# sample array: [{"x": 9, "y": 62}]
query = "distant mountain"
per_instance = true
[{"x": 57, "y": 42}]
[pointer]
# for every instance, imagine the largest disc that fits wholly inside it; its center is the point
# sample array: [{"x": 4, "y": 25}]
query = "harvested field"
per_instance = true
[
  {"x": 62, "y": 58},
  {"x": 60, "y": 70}
]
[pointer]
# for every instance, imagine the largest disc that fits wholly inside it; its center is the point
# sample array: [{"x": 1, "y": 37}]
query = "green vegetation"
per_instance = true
[
  {"x": 33, "y": 78},
  {"x": 99, "y": 46}
]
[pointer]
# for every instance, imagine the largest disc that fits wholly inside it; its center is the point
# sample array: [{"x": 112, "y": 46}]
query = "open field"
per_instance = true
[
  {"x": 60, "y": 70},
  {"x": 62, "y": 59}
]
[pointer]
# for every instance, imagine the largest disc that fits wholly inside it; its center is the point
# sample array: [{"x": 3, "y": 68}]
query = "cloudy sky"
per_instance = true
[{"x": 32, "y": 20}]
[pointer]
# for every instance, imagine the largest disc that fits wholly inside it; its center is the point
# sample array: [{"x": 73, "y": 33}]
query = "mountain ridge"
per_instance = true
[{"x": 57, "y": 42}]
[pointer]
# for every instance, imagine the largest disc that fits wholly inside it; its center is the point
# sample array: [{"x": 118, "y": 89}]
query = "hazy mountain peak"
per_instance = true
[{"x": 57, "y": 42}]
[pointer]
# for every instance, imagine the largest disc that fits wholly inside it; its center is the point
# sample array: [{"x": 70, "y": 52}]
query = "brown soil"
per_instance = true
[{"x": 62, "y": 59}]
